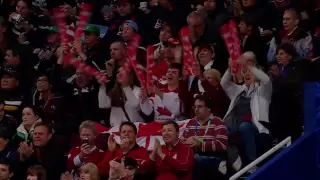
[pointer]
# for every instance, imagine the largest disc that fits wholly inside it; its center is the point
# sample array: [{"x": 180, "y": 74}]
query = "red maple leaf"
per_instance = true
[{"x": 164, "y": 111}]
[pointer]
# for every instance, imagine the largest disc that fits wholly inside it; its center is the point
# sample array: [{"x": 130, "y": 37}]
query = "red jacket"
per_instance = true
[
  {"x": 94, "y": 157},
  {"x": 177, "y": 163},
  {"x": 140, "y": 154}
]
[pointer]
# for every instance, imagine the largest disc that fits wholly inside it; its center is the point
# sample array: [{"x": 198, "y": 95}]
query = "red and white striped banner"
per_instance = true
[
  {"x": 132, "y": 49},
  {"x": 229, "y": 34},
  {"x": 150, "y": 64},
  {"x": 189, "y": 60}
]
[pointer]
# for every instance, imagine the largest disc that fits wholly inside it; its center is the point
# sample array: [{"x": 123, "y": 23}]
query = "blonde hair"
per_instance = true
[
  {"x": 92, "y": 169},
  {"x": 215, "y": 73}
]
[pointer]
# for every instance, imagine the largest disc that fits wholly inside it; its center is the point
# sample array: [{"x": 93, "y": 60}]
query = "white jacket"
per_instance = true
[
  {"x": 260, "y": 97},
  {"x": 131, "y": 106},
  {"x": 169, "y": 107}
]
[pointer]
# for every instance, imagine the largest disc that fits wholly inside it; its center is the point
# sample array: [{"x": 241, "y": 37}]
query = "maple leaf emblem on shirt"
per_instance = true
[{"x": 164, "y": 111}]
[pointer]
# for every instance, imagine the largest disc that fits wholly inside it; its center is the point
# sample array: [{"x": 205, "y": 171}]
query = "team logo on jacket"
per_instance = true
[
  {"x": 175, "y": 156},
  {"x": 158, "y": 24}
]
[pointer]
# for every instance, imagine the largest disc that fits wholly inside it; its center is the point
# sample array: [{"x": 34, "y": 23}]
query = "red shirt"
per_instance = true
[
  {"x": 140, "y": 154},
  {"x": 94, "y": 157},
  {"x": 177, "y": 163}
]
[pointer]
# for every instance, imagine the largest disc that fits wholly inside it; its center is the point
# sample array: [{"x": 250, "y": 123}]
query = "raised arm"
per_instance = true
[{"x": 103, "y": 98}]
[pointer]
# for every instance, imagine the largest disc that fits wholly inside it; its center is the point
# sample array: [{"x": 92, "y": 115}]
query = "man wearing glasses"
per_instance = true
[{"x": 207, "y": 135}]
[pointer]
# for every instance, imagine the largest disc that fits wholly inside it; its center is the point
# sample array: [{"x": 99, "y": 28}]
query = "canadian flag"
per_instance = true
[{"x": 147, "y": 132}]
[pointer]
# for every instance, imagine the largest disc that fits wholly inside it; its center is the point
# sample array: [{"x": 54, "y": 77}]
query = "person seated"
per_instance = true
[
  {"x": 36, "y": 172},
  {"x": 165, "y": 103},
  {"x": 124, "y": 170},
  {"x": 88, "y": 171},
  {"x": 123, "y": 99},
  {"x": 207, "y": 135},
  {"x": 88, "y": 151},
  {"x": 249, "y": 107},
  {"x": 128, "y": 147},
  {"x": 209, "y": 82},
  {"x": 30, "y": 116},
  {"x": 174, "y": 160},
  {"x": 43, "y": 150}
]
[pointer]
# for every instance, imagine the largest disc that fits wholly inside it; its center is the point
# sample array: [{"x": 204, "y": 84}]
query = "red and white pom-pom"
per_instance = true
[
  {"x": 150, "y": 64},
  {"x": 188, "y": 56}
]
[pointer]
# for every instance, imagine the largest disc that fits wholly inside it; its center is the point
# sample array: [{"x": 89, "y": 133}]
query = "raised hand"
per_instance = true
[{"x": 112, "y": 143}]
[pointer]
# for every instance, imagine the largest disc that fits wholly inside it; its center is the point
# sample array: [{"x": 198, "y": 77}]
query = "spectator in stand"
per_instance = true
[
  {"x": 14, "y": 60},
  {"x": 249, "y": 107},
  {"x": 10, "y": 93},
  {"x": 294, "y": 34},
  {"x": 210, "y": 87},
  {"x": 207, "y": 59},
  {"x": 216, "y": 11},
  {"x": 82, "y": 92},
  {"x": 88, "y": 171},
  {"x": 167, "y": 32},
  {"x": 7, "y": 151},
  {"x": 22, "y": 23},
  {"x": 169, "y": 52},
  {"x": 123, "y": 99},
  {"x": 30, "y": 116},
  {"x": 207, "y": 135},
  {"x": 52, "y": 103},
  {"x": 45, "y": 56},
  {"x": 43, "y": 151},
  {"x": 36, "y": 173},
  {"x": 166, "y": 103},
  {"x": 130, "y": 29},
  {"x": 125, "y": 11},
  {"x": 286, "y": 105},
  {"x": 124, "y": 170},
  {"x": 174, "y": 160},
  {"x": 128, "y": 148},
  {"x": 93, "y": 51},
  {"x": 250, "y": 39},
  {"x": 169, "y": 11},
  {"x": 7, "y": 169},
  {"x": 87, "y": 152},
  {"x": 6, "y": 121},
  {"x": 118, "y": 58},
  {"x": 4, "y": 38}
]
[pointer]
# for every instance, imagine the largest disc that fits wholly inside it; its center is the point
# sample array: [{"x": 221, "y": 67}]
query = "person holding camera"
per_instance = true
[{"x": 87, "y": 151}]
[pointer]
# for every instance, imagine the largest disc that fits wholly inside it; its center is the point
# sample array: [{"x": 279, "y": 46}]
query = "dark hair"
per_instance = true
[
  {"x": 15, "y": 51},
  {"x": 4, "y": 134},
  {"x": 289, "y": 49},
  {"x": 5, "y": 161},
  {"x": 176, "y": 65},
  {"x": 38, "y": 171},
  {"x": 27, "y": 2},
  {"x": 207, "y": 101},
  {"x": 175, "y": 125},
  {"x": 36, "y": 110},
  {"x": 131, "y": 162},
  {"x": 128, "y": 123},
  {"x": 44, "y": 124},
  {"x": 173, "y": 28}
]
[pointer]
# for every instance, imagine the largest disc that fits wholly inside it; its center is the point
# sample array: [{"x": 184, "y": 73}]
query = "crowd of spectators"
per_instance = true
[{"x": 49, "y": 110}]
